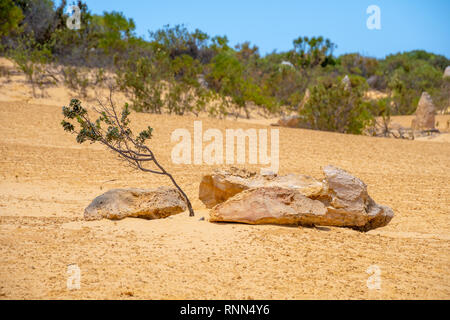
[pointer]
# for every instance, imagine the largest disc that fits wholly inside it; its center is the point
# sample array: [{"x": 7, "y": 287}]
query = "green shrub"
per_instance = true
[
  {"x": 332, "y": 107},
  {"x": 181, "y": 71},
  {"x": 10, "y": 16},
  {"x": 228, "y": 79},
  {"x": 411, "y": 73},
  {"x": 143, "y": 82},
  {"x": 33, "y": 59},
  {"x": 76, "y": 80}
]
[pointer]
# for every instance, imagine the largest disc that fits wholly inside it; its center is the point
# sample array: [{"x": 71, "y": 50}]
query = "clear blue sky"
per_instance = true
[{"x": 272, "y": 25}]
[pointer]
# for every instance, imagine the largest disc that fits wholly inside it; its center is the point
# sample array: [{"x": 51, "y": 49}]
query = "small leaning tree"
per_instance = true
[{"x": 111, "y": 129}]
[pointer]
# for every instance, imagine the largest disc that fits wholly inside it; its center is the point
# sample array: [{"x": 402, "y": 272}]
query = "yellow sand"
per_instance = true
[{"x": 46, "y": 181}]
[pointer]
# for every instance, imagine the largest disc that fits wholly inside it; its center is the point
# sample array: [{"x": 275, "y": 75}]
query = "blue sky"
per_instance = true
[{"x": 272, "y": 25}]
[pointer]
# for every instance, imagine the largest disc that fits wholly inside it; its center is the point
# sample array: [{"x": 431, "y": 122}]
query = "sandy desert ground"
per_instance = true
[{"x": 46, "y": 181}]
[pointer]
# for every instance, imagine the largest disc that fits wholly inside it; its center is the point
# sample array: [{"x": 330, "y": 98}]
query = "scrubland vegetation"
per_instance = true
[{"x": 180, "y": 71}]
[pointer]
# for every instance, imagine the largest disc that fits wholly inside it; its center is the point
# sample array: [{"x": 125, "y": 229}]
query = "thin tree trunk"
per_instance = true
[
  {"x": 189, "y": 205},
  {"x": 188, "y": 202}
]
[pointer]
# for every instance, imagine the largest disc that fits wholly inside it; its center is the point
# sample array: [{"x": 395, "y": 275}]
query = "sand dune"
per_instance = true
[{"x": 47, "y": 180}]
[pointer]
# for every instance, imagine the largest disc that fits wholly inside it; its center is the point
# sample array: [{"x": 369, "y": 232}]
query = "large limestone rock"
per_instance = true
[
  {"x": 117, "y": 204},
  {"x": 221, "y": 185},
  {"x": 349, "y": 203},
  {"x": 425, "y": 114},
  {"x": 269, "y": 205},
  {"x": 341, "y": 200}
]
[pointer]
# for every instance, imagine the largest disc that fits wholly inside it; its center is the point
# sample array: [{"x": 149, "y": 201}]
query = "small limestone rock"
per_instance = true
[
  {"x": 447, "y": 72},
  {"x": 287, "y": 63},
  {"x": 425, "y": 114},
  {"x": 290, "y": 122},
  {"x": 372, "y": 80},
  {"x": 117, "y": 204},
  {"x": 347, "y": 83},
  {"x": 202, "y": 81}
]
